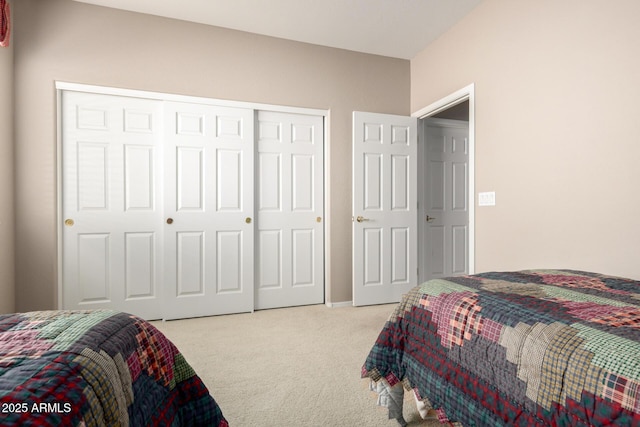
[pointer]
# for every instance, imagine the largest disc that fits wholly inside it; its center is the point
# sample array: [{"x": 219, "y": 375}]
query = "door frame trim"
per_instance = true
[
  {"x": 461, "y": 95},
  {"x": 162, "y": 96},
  {"x": 61, "y": 86}
]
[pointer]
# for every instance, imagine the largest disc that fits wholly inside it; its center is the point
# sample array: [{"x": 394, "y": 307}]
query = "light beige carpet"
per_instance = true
[{"x": 289, "y": 367}]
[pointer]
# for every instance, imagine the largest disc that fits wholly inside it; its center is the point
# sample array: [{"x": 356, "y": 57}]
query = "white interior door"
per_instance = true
[
  {"x": 290, "y": 240},
  {"x": 111, "y": 204},
  {"x": 446, "y": 208},
  {"x": 384, "y": 207},
  {"x": 209, "y": 191}
]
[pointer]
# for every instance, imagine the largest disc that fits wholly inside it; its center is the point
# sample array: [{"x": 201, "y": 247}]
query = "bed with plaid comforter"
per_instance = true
[
  {"x": 96, "y": 368},
  {"x": 527, "y": 348}
]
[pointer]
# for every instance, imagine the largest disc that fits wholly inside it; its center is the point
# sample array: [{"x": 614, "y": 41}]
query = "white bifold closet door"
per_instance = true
[{"x": 167, "y": 214}]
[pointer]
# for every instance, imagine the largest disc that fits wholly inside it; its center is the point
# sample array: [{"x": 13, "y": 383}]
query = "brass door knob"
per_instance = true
[
  {"x": 247, "y": 220},
  {"x": 361, "y": 219},
  {"x": 169, "y": 221},
  {"x": 69, "y": 222}
]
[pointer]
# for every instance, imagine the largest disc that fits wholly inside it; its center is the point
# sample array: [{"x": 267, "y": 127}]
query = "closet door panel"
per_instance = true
[
  {"x": 111, "y": 222},
  {"x": 290, "y": 210},
  {"x": 208, "y": 229},
  {"x": 176, "y": 209}
]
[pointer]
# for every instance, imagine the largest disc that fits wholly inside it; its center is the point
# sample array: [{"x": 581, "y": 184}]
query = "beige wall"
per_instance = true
[
  {"x": 7, "y": 224},
  {"x": 557, "y": 91},
  {"x": 69, "y": 41}
]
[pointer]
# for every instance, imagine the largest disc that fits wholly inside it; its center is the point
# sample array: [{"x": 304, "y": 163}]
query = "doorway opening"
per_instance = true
[{"x": 446, "y": 186}]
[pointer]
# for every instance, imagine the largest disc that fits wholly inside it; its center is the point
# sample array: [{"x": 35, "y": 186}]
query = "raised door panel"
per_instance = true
[
  {"x": 140, "y": 265},
  {"x": 269, "y": 182},
  {"x": 373, "y": 256},
  {"x": 302, "y": 181},
  {"x": 230, "y": 262},
  {"x": 190, "y": 263},
  {"x": 400, "y": 185},
  {"x": 436, "y": 236},
  {"x": 372, "y": 182},
  {"x": 140, "y": 172},
  {"x": 269, "y": 263},
  {"x": 92, "y": 179},
  {"x": 189, "y": 178},
  {"x": 230, "y": 180},
  {"x": 459, "y": 262},
  {"x": 303, "y": 249},
  {"x": 400, "y": 255},
  {"x": 93, "y": 265}
]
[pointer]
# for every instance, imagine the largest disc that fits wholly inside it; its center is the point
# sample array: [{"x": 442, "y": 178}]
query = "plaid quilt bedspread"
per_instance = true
[
  {"x": 528, "y": 348},
  {"x": 96, "y": 368}
]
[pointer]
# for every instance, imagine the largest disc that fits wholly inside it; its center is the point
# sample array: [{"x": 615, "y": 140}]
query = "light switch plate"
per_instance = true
[{"x": 487, "y": 198}]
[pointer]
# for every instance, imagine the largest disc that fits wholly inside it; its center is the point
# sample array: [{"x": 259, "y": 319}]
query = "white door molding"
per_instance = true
[{"x": 162, "y": 96}]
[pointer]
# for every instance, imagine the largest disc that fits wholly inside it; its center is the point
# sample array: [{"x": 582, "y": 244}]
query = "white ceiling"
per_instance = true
[{"x": 395, "y": 28}]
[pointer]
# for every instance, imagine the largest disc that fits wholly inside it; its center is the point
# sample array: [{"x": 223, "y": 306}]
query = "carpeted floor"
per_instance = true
[{"x": 286, "y": 367}]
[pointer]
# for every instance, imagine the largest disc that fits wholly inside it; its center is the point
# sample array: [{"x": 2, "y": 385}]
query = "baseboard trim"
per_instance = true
[{"x": 339, "y": 304}]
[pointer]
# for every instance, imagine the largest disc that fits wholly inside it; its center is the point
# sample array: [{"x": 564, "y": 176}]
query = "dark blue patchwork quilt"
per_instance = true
[
  {"x": 96, "y": 368},
  {"x": 526, "y": 348}
]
